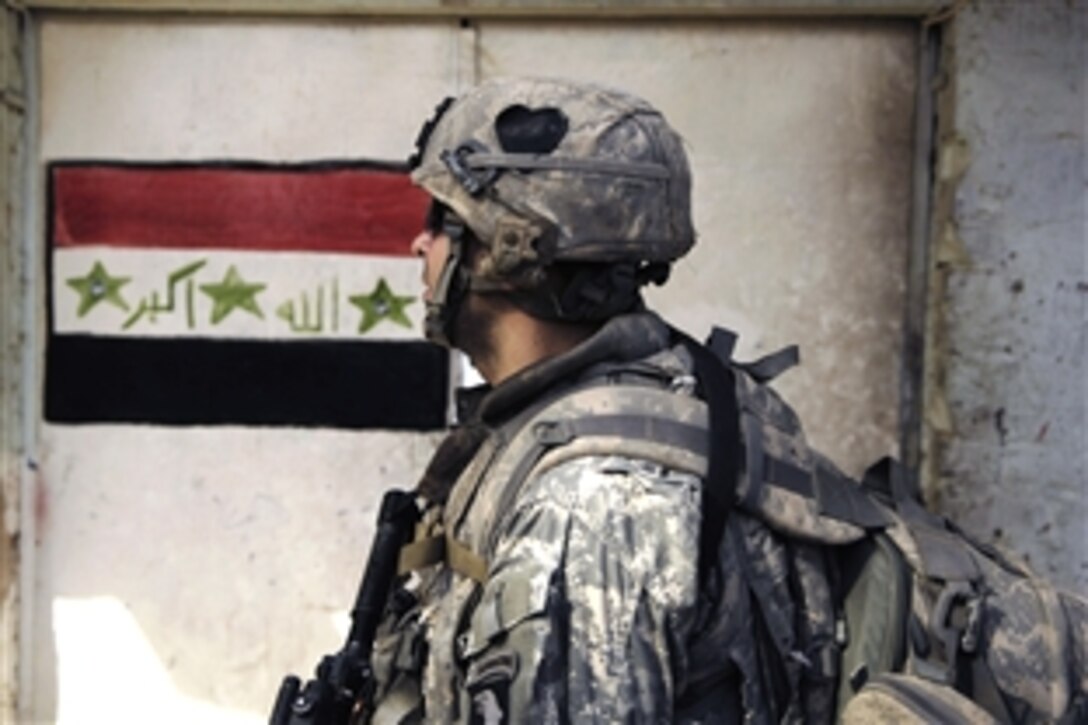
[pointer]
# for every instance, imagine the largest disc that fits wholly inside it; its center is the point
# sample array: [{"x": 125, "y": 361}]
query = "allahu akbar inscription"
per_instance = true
[{"x": 309, "y": 312}]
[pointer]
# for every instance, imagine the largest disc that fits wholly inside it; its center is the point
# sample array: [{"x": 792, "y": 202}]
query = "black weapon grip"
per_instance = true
[
  {"x": 341, "y": 679},
  {"x": 281, "y": 711},
  {"x": 396, "y": 522}
]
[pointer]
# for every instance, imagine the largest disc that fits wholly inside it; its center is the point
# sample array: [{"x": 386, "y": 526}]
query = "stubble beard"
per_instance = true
[{"x": 473, "y": 329}]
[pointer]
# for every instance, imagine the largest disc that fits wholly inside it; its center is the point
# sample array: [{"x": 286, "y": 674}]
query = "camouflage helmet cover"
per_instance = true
[{"x": 612, "y": 185}]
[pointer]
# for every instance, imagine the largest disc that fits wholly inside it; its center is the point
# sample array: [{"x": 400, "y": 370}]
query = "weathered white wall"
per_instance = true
[
  {"x": 800, "y": 137},
  {"x": 192, "y": 567},
  {"x": 1011, "y": 462},
  {"x": 14, "y": 284},
  {"x": 181, "y": 572}
]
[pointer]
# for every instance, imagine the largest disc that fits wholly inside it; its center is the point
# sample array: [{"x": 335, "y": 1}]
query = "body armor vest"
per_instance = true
[{"x": 846, "y": 582}]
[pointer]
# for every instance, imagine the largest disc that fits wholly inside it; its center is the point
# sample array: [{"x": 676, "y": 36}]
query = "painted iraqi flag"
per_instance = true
[{"x": 238, "y": 293}]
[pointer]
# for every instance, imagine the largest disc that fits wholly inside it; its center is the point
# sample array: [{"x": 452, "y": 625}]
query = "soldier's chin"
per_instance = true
[{"x": 434, "y": 330}]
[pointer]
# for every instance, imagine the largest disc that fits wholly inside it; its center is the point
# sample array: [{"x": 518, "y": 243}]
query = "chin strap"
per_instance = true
[{"x": 452, "y": 284}]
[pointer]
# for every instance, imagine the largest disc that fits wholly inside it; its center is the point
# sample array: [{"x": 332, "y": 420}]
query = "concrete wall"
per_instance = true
[
  {"x": 14, "y": 350},
  {"x": 1009, "y": 448},
  {"x": 800, "y": 139},
  {"x": 192, "y": 567},
  {"x": 195, "y": 568}
]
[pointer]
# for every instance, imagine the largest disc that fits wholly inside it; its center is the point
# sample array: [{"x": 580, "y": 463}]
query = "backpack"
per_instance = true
[
  {"x": 929, "y": 623},
  {"x": 872, "y": 608}
]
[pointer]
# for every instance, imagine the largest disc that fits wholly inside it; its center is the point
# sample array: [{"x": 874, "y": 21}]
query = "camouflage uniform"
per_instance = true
[
  {"x": 636, "y": 530},
  {"x": 590, "y": 606},
  {"x": 562, "y": 571},
  {"x": 591, "y": 601},
  {"x": 593, "y": 587}
]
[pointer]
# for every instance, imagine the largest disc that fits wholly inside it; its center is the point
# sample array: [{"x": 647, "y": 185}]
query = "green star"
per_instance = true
[
  {"x": 232, "y": 292},
  {"x": 98, "y": 286},
  {"x": 381, "y": 304}
]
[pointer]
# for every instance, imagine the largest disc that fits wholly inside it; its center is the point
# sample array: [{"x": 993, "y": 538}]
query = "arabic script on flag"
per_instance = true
[{"x": 238, "y": 293}]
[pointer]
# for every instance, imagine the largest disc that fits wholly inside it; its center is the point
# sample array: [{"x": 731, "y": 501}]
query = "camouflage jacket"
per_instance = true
[
  {"x": 589, "y": 608},
  {"x": 567, "y": 585}
]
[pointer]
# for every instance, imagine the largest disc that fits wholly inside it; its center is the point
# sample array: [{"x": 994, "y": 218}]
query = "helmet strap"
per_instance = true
[{"x": 452, "y": 284}]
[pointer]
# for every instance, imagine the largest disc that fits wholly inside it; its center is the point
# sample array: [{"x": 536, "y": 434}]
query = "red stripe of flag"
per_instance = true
[{"x": 348, "y": 210}]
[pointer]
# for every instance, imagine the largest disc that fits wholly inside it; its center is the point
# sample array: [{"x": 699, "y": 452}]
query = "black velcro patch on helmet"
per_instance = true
[
  {"x": 523, "y": 130},
  {"x": 425, "y": 133}
]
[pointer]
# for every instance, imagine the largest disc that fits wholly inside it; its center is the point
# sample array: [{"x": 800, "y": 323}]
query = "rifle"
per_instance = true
[{"x": 343, "y": 684}]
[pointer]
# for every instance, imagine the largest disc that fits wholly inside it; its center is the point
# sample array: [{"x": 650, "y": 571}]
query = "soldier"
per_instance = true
[
  {"x": 572, "y": 581},
  {"x": 626, "y": 528}
]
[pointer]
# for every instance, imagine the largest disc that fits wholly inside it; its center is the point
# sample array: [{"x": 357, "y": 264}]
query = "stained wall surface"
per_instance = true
[
  {"x": 800, "y": 138},
  {"x": 1011, "y": 458},
  {"x": 196, "y": 565}
]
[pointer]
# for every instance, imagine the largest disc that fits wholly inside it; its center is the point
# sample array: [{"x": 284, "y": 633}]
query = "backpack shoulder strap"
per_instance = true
[{"x": 717, "y": 383}]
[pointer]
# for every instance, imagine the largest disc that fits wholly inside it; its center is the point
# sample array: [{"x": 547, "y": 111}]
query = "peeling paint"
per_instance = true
[
  {"x": 951, "y": 250},
  {"x": 938, "y": 415},
  {"x": 12, "y": 341},
  {"x": 1007, "y": 386},
  {"x": 953, "y": 159}
]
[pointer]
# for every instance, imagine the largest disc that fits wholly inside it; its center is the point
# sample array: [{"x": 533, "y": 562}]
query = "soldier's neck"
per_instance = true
[{"x": 519, "y": 340}]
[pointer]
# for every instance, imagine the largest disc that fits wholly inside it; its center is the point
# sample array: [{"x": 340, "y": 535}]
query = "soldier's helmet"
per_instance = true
[{"x": 550, "y": 173}]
